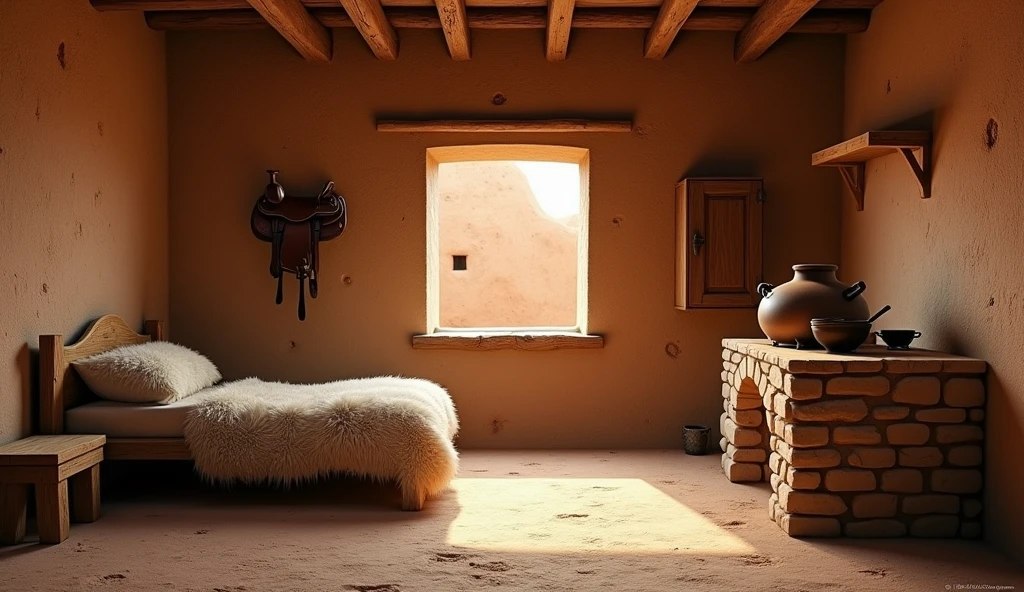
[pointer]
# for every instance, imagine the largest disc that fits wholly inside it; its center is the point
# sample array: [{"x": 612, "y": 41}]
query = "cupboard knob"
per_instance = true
[{"x": 698, "y": 242}]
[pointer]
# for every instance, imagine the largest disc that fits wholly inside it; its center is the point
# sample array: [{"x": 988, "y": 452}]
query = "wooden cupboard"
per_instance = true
[{"x": 718, "y": 242}]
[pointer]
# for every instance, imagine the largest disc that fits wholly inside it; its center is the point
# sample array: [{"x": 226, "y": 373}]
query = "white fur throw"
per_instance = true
[
  {"x": 153, "y": 372},
  {"x": 384, "y": 428}
]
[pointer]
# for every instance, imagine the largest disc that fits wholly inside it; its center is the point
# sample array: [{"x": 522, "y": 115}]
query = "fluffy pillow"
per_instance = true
[{"x": 153, "y": 372}]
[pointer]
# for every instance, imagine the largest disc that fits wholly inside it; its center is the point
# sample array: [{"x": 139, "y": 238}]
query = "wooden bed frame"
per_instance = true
[{"x": 60, "y": 387}]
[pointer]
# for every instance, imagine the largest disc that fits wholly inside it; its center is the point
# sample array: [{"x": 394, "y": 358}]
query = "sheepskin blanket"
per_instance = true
[{"x": 385, "y": 428}]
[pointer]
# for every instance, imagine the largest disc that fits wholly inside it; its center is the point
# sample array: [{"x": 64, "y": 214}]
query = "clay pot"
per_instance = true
[{"x": 785, "y": 311}]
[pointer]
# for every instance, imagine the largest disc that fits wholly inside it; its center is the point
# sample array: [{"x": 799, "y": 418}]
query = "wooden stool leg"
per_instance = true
[
  {"x": 52, "y": 512},
  {"x": 85, "y": 495},
  {"x": 13, "y": 503}
]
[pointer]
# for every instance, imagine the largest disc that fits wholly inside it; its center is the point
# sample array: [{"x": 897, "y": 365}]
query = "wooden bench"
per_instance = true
[{"x": 48, "y": 463}]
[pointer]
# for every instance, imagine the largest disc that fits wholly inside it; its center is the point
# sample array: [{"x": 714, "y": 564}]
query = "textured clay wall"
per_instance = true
[
  {"x": 950, "y": 266},
  {"x": 243, "y": 102},
  {"x": 83, "y": 182}
]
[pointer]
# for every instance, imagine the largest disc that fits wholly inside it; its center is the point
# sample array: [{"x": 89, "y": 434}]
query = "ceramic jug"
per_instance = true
[{"x": 786, "y": 310}]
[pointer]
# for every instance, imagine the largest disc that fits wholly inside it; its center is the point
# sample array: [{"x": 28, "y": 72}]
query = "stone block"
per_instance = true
[
  {"x": 779, "y": 423},
  {"x": 723, "y": 445},
  {"x": 775, "y": 377},
  {"x": 850, "y": 480},
  {"x": 925, "y": 456},
  {"x": 964, "y": 392},
  {"x": 814, "y": 367},
  {"x": 972, "y": 507},
  {"x": 964, "y": 456},
  {"x": 917, "y": 390},
  {"x": 977, "y": 414},
  {"x": 863, "y": 366},
  {"x": 964, "y": 366},
  {"x": 807, "y": 526},
  {"x": 847, "y": 411},
  {"x": 805, "y": 436},
  {"x": 890, "y": 412},
  {"x": 958, "y": 433},
  {"x": 856, "y": 435},
  {"x": 913, "y": 366},
  {"x": 874, "y": 505},
  {"x": 775, "y": 462},
  {"x": 970, "y": 530},
  {"x": 876, "y": 529},
  {"x": 736, "y": 358},
  {"x": 813, "y": 458},
  {"x": 773, "y": 442},
  {"x": 775, "y": 480},
  {"x": 872, "y": 458},
  {"x": 738, "y": 436},
  {"x": 811, "y": 504},
  {"x": 931, "y": 504},
  {"x": 773, "y": 504},
  {"x": 740, "y": 472},
  {"x": 937, "y": 527},
  {"x": 802, "y": 388},
  {"x": 903, "y": 481},
  {"x": 941, "y": 415},
  {"x": 781, "y": 407},
  {"x": 798, "y": 479},
  {"x": 869, "y": 386},
  {"x": 750, "y": 418},
  {"x": 767, "y": 398},
  {"x": 747, "y": 455},
  {"x": 956, "y": 480},
  {"x": 907, "y": 434},
  {"x": 726, "y": 354}
]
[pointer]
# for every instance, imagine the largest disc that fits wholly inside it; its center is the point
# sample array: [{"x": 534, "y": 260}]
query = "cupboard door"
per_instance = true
[{"x": 718, "y": 243}]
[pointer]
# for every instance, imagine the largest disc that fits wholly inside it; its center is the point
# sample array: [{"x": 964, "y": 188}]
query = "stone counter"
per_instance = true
[{"x": 876, "y": 443}]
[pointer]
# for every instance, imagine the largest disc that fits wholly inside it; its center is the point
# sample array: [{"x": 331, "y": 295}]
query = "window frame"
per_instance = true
[{"x": 517, "y": 337}]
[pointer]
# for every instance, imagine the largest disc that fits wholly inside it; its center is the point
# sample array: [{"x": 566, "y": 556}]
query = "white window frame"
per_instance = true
[{"x": 505, "y": 152}]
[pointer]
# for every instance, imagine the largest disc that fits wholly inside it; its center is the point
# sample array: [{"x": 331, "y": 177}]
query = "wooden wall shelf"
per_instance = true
[
  {"x": 850, "y": 156},
  {"x": 511, "y": 125}
]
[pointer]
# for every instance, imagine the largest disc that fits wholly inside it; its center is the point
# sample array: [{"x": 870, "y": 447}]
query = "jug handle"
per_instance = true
[
  {"x": 765, "y": 289},
  {"x": 854, "y": 291}
]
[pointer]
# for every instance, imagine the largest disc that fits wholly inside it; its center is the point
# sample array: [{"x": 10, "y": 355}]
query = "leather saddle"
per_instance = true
[{"x": 295, "y": 227}]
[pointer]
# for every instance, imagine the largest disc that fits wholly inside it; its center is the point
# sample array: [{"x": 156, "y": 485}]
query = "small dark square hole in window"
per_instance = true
[{"x": 459, "y": 262}]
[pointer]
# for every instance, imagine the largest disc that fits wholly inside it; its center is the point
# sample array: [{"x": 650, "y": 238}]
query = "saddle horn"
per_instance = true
[{"x": 295, "y": 228}]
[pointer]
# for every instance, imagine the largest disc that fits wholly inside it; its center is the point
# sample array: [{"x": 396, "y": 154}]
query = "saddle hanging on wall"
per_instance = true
[{"x": 295, "y": 227}]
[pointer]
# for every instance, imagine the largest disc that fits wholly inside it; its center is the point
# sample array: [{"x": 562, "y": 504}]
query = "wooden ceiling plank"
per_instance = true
[
  {"x": 770, "y": 22},
  {"x": 559, "y": 25},
  {"x": 298, "y": 27},
  {"x": 371, "y": 22},
  {"x": 822, "y": 22},
  {"x": 455, "y": 26},
  {"x": 174, "y": 5},
  {"x": 670, "y": 20}
]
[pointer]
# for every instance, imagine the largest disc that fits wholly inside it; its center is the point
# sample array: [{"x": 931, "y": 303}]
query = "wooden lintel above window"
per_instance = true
[{"x": 508, "y": 125}]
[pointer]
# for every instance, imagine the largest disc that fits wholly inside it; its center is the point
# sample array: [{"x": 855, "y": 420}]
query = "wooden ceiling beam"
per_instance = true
[
  {"x": 817, "y": 21},
  {"x": 559, "y": 25},
  {"x": 307, "y": 35},
  {"x": 452, "y": 14},
  {"x": 175, "y": 5},
  {"x": 770, "y": 22},
  {"x": 671, "y": 18},
  {"x": 369, "y": 19}
]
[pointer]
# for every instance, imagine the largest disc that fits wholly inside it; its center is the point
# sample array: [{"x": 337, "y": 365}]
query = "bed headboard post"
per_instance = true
[
  {"x": 155, "y": 329},
  {"x": 52, "y": 369}
]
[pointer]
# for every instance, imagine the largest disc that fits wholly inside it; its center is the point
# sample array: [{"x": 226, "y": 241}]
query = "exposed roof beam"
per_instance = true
[
  {"x": 702, "y": 19},
  {"x": 295, "y": 24},
  {"x": 369, "y": 19},
  {"x": 455, "y": 26},
  {"x": 770, "y": 22},
  {"x": 559, "y": 24},
  {"x": 162, "y": 5},
  {"x": 671, "y": 17}
]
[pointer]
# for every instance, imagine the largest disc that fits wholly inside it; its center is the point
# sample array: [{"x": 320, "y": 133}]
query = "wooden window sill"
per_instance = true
[{"x": 526, "y": 341}]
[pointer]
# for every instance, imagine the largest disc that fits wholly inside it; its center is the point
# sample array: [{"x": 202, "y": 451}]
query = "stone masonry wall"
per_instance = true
[{"x": 873, "y": 444}]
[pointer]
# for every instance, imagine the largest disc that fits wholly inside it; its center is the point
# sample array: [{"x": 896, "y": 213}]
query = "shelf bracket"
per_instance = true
[
  {"x": 853, "y": 176},
  {"x": 919, "y": 160}
]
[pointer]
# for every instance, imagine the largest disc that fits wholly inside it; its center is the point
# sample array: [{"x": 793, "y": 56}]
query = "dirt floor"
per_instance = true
[{"x": 527, "y": 520}]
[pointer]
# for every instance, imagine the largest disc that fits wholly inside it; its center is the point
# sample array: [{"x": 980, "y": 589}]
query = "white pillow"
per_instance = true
[{"x": 153, "y": 372}]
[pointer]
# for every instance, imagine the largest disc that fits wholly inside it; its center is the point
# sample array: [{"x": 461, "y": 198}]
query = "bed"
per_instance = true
[{"x": 422, "y": 461}]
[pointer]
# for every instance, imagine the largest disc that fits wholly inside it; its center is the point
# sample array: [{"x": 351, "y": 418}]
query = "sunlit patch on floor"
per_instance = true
[{"x": 559, "y": 515}]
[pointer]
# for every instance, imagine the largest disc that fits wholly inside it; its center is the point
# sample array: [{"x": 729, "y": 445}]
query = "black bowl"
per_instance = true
[
  {"x": 898, "y": 338},
  {"x": 839, "y": 336}
]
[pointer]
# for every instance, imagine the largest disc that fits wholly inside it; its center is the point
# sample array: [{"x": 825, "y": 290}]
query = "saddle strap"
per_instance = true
[
  {"x": 280, "y": 289},
  {"x": 302, "y": 297},
  {"x": 277, "y": 242},
  {"x": 314, "y": 268}
]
